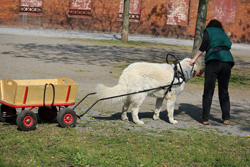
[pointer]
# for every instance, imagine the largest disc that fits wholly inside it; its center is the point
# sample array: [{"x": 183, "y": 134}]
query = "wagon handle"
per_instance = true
[
  {"x": 83, "y": 99},
  {"x": 45, "y": 87},
  {"x": 127, "y": 94}
]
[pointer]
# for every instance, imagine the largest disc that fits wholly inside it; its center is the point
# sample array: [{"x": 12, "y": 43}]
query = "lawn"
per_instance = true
[{"x": 103, "y": 144}]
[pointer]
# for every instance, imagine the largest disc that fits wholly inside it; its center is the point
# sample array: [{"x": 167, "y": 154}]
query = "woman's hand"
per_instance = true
[{"x": 191, "y": 62}]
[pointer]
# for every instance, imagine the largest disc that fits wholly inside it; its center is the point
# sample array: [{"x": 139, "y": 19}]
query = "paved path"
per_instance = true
[
  {"x": 87, "y": 35},
  {"x": 32, "y": 57}
]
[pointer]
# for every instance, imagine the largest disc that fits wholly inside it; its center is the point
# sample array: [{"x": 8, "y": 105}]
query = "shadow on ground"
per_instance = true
[
  {"x": 185, "y": 112},
  {"x": 91, "y": 55}
]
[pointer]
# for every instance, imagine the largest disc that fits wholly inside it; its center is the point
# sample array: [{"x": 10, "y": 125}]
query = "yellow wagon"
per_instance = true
[{"x": 49, "y": 95}]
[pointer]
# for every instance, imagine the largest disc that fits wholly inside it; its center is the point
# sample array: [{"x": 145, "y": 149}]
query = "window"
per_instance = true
[
  {"x": 225, "y": 10},
  {"x": 134, "y": 10},
  {"x": 178, "y": 11},
  {"x": 32, "y": 7},
  {"x": 80, "y": 8}
]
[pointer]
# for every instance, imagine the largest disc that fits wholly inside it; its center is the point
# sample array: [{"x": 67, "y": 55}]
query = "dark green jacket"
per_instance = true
[{"x": 219, "y": 46}]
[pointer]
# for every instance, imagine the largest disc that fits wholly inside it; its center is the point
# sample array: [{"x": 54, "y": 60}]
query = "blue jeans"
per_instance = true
[{"x": 222, "y": 71}]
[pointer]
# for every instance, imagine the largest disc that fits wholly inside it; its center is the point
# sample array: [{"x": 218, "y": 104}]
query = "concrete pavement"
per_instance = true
[{"x": 106, "y": 36}]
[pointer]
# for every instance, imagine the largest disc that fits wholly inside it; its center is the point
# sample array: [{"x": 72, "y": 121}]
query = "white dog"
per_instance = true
[{"x": 142, "y": 76}]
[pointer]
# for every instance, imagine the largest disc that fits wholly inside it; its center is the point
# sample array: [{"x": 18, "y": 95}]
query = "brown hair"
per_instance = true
[{"x": 215, "y": 23}]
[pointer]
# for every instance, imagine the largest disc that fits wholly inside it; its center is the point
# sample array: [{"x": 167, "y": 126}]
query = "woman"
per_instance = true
[{"x": 218, "y": 64}]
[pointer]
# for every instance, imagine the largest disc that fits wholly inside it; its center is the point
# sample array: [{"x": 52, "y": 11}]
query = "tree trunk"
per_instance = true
[
  {"x": 125, "y": 23},
  {"x": 200, "y": 26}
]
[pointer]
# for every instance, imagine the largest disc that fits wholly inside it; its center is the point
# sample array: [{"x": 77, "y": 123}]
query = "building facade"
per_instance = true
[{"x": 166, "y": 18}]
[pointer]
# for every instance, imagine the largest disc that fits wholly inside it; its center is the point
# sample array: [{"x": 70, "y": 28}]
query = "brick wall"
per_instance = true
[{"x": 105, "y": 18}]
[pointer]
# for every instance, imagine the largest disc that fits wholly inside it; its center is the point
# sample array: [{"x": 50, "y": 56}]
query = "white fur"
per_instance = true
[{"x": 141, "y": 76}]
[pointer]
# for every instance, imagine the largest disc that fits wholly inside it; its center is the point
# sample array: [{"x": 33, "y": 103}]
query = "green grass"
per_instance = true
[
  {"x": 109, "y": 145},
  {"x": 135, "y": 44}
]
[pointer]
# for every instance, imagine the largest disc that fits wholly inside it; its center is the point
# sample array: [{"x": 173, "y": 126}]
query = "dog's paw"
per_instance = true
[
  {"x": 174, "y": 122},
  {"x": 139, "y": 122},
  {"x": 155, "y": 117}
]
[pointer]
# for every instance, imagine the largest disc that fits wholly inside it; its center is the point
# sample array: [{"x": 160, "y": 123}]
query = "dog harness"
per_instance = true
[{"x": 177, "y": 75}]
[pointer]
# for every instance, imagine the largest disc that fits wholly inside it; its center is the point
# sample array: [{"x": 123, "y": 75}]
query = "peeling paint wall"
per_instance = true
[
  {"x": 134, "y": 10},
  {"x": 178, "y": 12},
  {"x": 225, "y": 10},
  {"x": 166, "y": 18},
  {"x": 31, "y": 7},
  {"x": 80, "y": 8}
]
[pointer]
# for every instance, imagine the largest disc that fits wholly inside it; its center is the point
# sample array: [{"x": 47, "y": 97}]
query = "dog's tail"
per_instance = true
[{"x": 104, "y": 92}]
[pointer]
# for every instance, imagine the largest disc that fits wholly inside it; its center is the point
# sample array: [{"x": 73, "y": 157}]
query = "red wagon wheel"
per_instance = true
[
  {"x": 26, "y": 120},
  {"x": 67, "y": 117}
]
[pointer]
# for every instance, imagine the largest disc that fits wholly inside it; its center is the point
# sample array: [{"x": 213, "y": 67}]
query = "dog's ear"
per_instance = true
[
  {"x": 188, "y": 70},
  {"x": 184, "y": 64}
]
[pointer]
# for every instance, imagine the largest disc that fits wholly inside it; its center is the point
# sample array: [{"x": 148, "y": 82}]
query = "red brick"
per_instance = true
[{"x": 105, "y": 18}]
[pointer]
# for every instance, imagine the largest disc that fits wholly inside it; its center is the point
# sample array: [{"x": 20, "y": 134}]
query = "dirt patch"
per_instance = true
[{"x": 27, "y": 57}]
